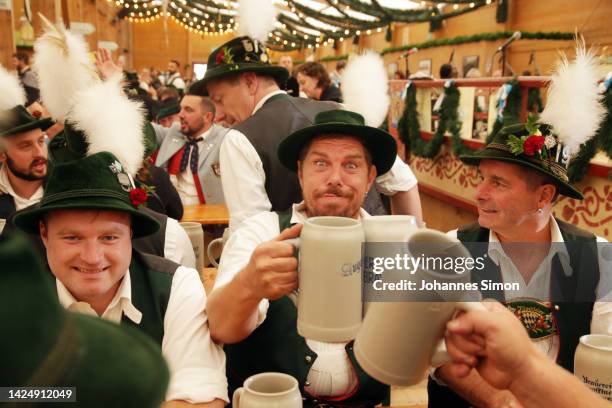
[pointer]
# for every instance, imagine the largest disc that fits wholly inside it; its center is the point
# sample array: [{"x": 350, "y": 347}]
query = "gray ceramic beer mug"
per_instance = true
[
  {"x": 329, "y": 274},
  {"x": 268, "y": 390}
]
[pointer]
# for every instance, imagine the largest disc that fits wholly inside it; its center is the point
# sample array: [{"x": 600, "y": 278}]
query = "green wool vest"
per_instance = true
[
  {"x": 151, "y": 278},
  {"x": 276, "y": 346},
  {"x": 573, "y": 317}
]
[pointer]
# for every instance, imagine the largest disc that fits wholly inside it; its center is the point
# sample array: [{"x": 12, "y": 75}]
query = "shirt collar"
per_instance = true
[
  {"x": 204, "y": 134},
  {"x": 496, "y": 251},
  {"x": 123, "y": 295},
  {"x": 265, "y": 98},
  {"x": 298, "y": 213},
  {"x": 7, "y": 187}
]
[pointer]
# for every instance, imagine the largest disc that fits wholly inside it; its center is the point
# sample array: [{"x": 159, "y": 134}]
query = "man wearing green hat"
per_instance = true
[
  {"x": 90, "y": 212},
  {"x": 336, "y": 161},
  {"x": 246, "y": 91},
  {"x": 45, "y": 346},
  {"x": 23, "y": 149},
  {"x": 87, "y": 218},
  {"x": 564, "y": 280},
  {"x": 168, "y": 113}
]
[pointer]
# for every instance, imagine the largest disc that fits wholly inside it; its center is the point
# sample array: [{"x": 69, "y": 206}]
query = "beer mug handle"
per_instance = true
[
  {"x": 236, "y": 397},
  {"x": 440, "y": 356},
  {"x": 296, "y": 245},
  {"x": 209, "y": 250}
]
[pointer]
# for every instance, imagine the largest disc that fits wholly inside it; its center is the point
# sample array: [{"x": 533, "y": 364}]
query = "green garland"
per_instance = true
[
  {"x": 534, "y": 100},
  {"x": 579, "y": 166},
  {"x": 409, "y": 129},
  {"x": 511, "y": 112},
  {"x": 501, "y": 14},
  {"x": 463, "y": 39},
  {"x": 334, "y": 58}
]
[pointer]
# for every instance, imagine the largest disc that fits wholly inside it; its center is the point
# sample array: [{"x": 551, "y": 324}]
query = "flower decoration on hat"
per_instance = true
[
  {"x": 140, "y": 195},
  {"x": 534, "y": 143}
]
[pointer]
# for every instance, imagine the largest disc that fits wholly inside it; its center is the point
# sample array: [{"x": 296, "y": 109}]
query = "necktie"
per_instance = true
[{"x": 190, "y": 155}]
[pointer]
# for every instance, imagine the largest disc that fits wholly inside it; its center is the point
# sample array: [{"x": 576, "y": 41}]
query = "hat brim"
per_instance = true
[
  {"x": 103, "y": 341},
  {"x": 493, "y": 154},
  {"x": 280, "y": 74},
  {"x": 142, "y": 224},
  {"x": 380, "y": 144},
  {"x": 42, "y": 124}
]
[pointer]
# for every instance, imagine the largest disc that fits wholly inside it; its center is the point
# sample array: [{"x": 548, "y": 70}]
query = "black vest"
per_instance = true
[
  {"x": 151, "y": 280},
  {"x": 573, "y": 318},
  {"x": 280, "y": 116},
  {"x": 7, "y": 206},
  {"x": 153, "y": 244},
  {"x": 276, "y": 346}
]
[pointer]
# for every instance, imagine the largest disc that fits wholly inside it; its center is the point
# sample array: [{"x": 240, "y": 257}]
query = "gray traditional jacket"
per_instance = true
[{"x": 171, "y": 140}]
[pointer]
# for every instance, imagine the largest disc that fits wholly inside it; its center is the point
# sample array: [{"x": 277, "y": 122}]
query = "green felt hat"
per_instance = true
[
  {"x": 19, "y": 120},
  {"x": 242, "y": 54},
  {"x": 379, "y": 143},
  {"x": 168, "y": 110},
  {"x": 504, "y": 146},
  {"x": 44, "y": 345},
  {"x": 94, "y": 182}
]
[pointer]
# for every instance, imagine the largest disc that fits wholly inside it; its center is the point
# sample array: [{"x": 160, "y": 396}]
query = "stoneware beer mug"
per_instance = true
[
  {"x": 388, "y": 228},
  {"x": 399, "y": 340},
  {"x": 593, "y": 363},
  {"x": 218, "y": 242},
  {"x": 196, "y": 236},
  {"x": 329, "y": 275},
  {"x": 268, "y": 390}
]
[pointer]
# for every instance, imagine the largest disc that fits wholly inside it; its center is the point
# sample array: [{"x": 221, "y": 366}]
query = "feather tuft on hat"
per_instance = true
[
  {"x": 573, "y": 107},
  {"x": 12, "y": 92},
  {"x": 256, "y": 18},
  {"x": 63, "y": 66},
  {"x": 364, "y": 88},
  {"x": 114, "y": 127}
]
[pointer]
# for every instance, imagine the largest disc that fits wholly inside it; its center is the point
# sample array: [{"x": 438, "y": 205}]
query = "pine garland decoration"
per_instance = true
[
  {"x": 511, "y": 112},
  {"x": 501, "y": 14},
  {"x": 409, "y": 128},
  {"x": 579, "y": 166},
  {"x": 534, "y": 100}
]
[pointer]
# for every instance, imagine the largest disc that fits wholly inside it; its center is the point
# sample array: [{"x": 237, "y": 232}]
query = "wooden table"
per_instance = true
[
  {"x": 208, "y": 276},
  {"x": 206, "y": 214}
]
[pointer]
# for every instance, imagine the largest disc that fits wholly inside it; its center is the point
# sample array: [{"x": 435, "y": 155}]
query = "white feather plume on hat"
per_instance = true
[
  {"x": 63, "y": 66},
  {"x": 365, "y": 88},
  {"x": 11, "y": 91},
  {"x": 256, "y": 18},
  {"x": 573, "y": 107},
  {"x": 114, "y": 126}
]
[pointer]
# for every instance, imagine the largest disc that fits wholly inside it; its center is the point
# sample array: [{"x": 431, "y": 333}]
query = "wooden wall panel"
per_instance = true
[{"x": 6, "y": 38}]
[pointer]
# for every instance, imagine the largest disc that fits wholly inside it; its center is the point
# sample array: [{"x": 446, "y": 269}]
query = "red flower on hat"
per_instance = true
[
  {"x": 533, "y": 144},
  {"x": 138, "y": 196},
  {"x": 220, "y": 56}
]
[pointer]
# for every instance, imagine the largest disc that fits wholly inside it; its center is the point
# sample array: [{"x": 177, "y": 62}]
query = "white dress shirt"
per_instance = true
[
  {"x": 197, "y": 364},
  {"x": 243, "y": 176},
  {"x": 177, "y": 245},
  {"x": 184, "y": 182},
  {"x": 331, "y": 374},
  {"x": 538, "y": 286},
  {"x": 20, "y": 202}
]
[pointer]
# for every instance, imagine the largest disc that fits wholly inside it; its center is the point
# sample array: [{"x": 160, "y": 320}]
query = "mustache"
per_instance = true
[
  {"x": 38, "y": 161},
  {"x": 338, "y": 191}
]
